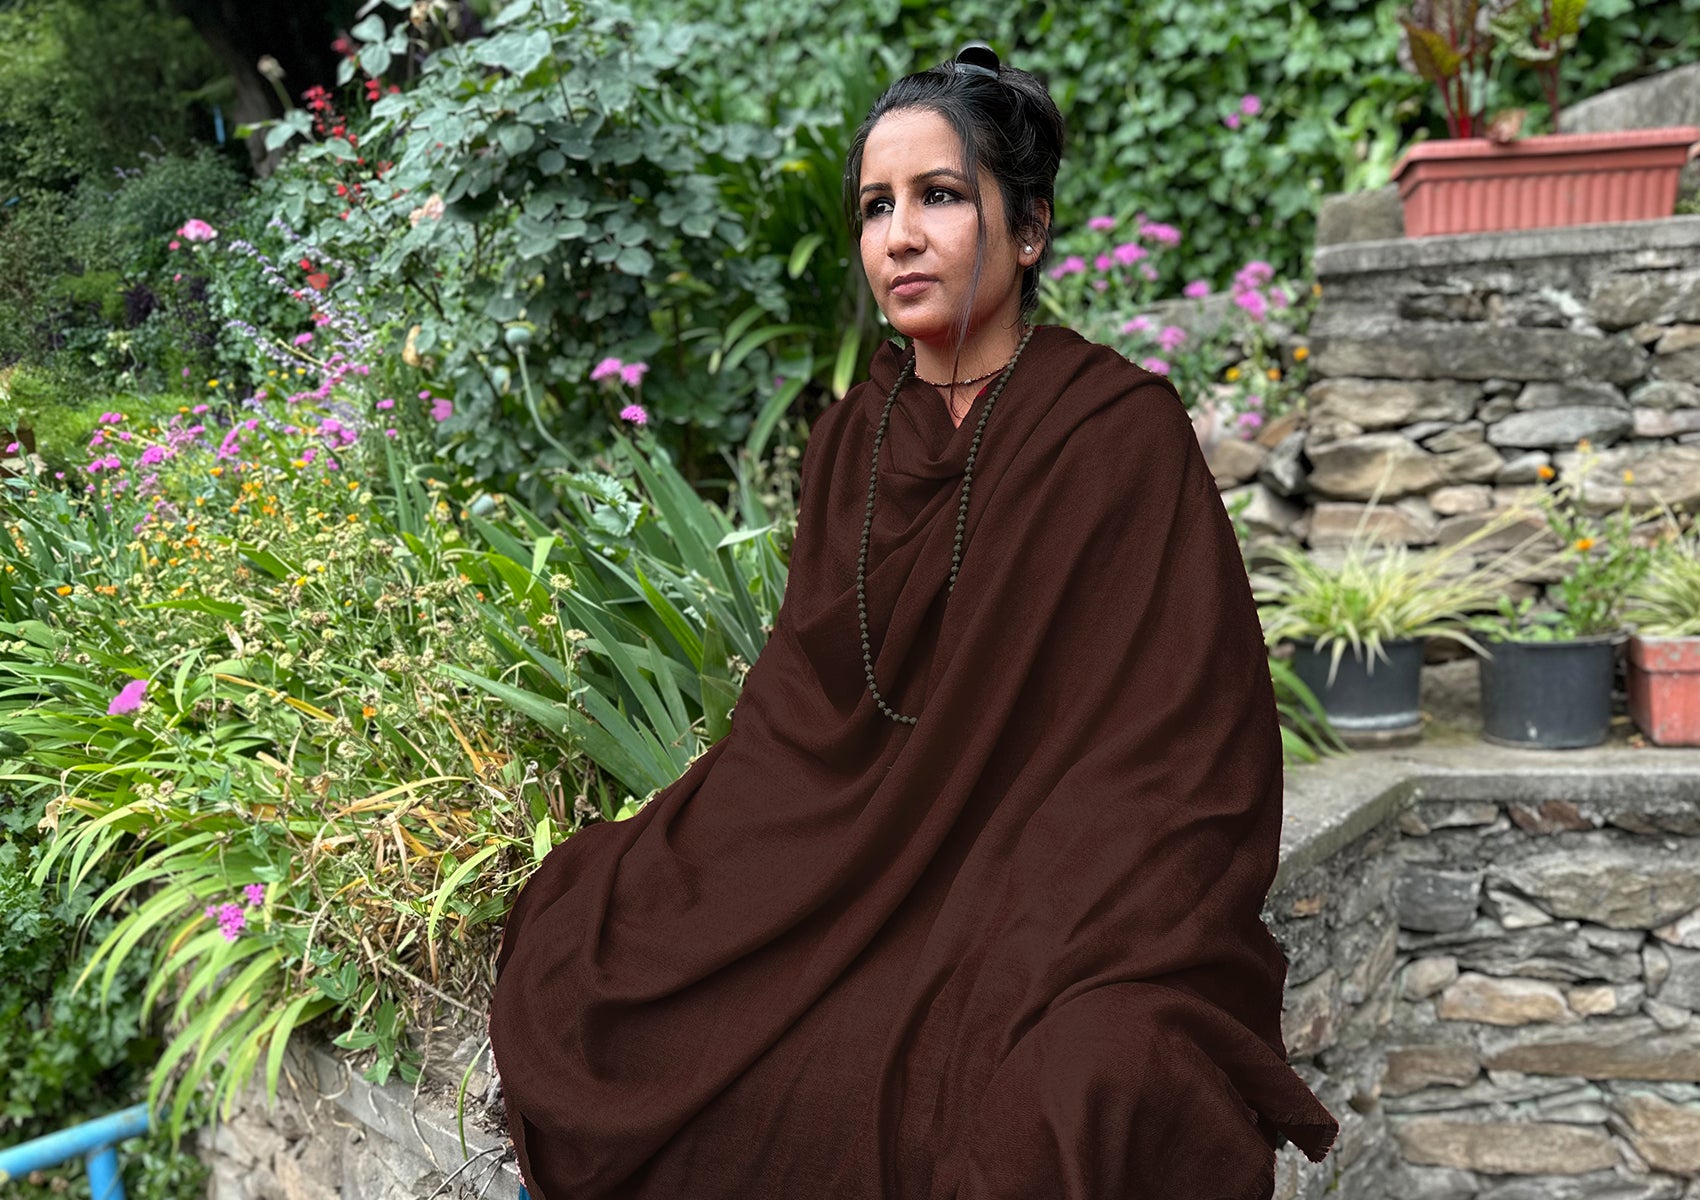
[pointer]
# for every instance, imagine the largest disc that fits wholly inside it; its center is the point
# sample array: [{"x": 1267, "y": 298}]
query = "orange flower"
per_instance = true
[
  {"x": 1585, "y": 544},
  {"x": 1629, "y": 477},
  {"x": 1301, "y": 353},
  {"x": 1584, "y": 445},
  {"x": 64, "y": 589},
  {"x": 368, "y": 712},
  {"x": 1545, "y": 472},
  {"x": 1274, "y": 373}
]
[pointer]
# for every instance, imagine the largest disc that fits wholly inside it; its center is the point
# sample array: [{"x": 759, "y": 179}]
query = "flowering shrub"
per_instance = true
[{"x": 1247, "y": 372}]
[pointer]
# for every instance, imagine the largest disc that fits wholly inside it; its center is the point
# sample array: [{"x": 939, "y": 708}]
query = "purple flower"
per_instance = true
[
  {"x": 442, "y": 410},
  {"x": 604, "y": 369},
  {"x": 128, "y": 699},
  {"x": 256, "y": 893},
  {"x": 1279, "y": 298},
  {"x": 635, "y": 414},
  {"x": 1137, "y": 325},
  {"x": 303, "y": 339},
  {"x": 109, "y": 418},
  {"x": 1253, "y": 303},
  {"x": 1196, "y": 290},
  {"x": 152, "y": 456},
  {"x": 1157, "y": 231},
  {"x": 1250, "y": 105},
  {"x": 1232, "y": 120},
  {"x": 1155, "y": 365},
  {"x": 11, "y": 448},
  {"x": 1170, "y": 337},
  {"x": 632, "y": 373},
  {"x": 230, "y": 917},
  {"x": 1149, "y": 271},
  {"x": 1101, "y": 224},
  {"x": 1104, "y": 262},
  {"x": 1129, "y": 253},
  {"x": 1255, "y": 273},
  {"x": 199, "y": 409}
]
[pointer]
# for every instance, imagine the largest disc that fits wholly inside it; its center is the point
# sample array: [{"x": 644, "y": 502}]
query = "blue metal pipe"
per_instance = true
[
  {"x": 88, "y": 1138},
  {"x": 105, "y": 1183}
]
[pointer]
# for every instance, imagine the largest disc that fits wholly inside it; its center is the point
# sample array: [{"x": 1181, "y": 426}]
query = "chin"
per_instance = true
[{"x": 924, "y": 327}]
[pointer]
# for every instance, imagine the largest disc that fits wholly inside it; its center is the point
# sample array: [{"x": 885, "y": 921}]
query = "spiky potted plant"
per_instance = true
[
  {"x": 1358, "y": 626},
  {"x": 1663, "y": 607},
  {"x": 1482, "y": 177}
]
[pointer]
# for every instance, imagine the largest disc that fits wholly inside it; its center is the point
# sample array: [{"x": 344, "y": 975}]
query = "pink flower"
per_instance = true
[
  {"x": 256, "y": 893},
  {"x": 173, "y": 244},
  {"x": 1129, "y": 253},
  {"x": 1278, "y": 297},
  {"x": 1250, "y": 105},
  {"x": 426, "y": 394},
  {"x": 1101, "y": 224},
  {"x": 177, "y": 277},
  {"x": 1251, "y": 420},
  {"x": 109, "y": 418},
  {"x": 197, "y": 230},
  {"x": 385, "y": 404},
  {"x": 1157, "y": 231},
  {"x": 1170, "y": 338},
  {"x": 199, "y": 409},
  {"x": 303, "y": 339},
  {"x": 635, "y": 414},
  {"x": 632, "y": 373},
  {"x": 1255, "y": 273},
  {"x": 1137, "y": 325},
  {"x": 390, "y": 433},
  {"x": 1253, "y": 303},
  {"x": 1104, "y": 262},
  {"x": 1149, "y": 271},
  {"x": 442, "y": 410},
  {"x": 128, "y": 699},
  {"x": 1072, "y": 265},
  {"x": 230, "y": 917},
  {"x": 1155, "y": 365},
  {"x": 185, "y": 372},
  {"x": 1232, "y": 120},
  {"x": 11, "y": 448},
  {"x": 1196, "y": 290},
  {"x": 607, "y": 367}
]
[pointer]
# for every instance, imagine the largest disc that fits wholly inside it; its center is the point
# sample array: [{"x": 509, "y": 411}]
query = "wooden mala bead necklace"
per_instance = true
[{"x": 961, "y": 511}]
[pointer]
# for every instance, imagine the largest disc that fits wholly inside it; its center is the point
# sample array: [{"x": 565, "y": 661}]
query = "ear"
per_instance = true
[{"x": 1035, "y": 233}]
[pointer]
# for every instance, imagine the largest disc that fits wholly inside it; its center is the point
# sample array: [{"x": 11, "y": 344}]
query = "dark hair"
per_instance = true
[{"x": 1006, "y": 122}]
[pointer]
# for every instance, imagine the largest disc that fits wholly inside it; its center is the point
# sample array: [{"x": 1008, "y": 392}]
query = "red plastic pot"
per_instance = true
[
  {"x": 1472, "y": 185},
  {"x": 1664, "y": 689}
]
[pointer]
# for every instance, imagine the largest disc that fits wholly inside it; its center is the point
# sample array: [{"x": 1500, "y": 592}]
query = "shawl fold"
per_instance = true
[{"x": 1011, "y": 951}]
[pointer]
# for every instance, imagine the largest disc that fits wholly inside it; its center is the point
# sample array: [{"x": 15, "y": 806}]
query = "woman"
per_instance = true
[{"x": 966, "y": 905}]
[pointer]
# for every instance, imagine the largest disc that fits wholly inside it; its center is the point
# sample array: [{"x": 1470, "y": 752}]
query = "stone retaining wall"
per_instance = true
[
  {"x": 1496, "y": 996},
  {"x": 1454, "y": 368}
]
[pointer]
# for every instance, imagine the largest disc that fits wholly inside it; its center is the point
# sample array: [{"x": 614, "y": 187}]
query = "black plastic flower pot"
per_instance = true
[
  {"x": 1548, "y": 695},
  {"x": 1373, "y": 703}
]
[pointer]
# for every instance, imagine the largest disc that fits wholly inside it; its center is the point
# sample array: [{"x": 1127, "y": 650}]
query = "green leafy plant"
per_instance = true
[
  {"x": 1375, "y": 594},
  {"x": 1537, "y": 34},
  {"x": 1665, "y": 600},
  {"x": 1598, "y": 555}
]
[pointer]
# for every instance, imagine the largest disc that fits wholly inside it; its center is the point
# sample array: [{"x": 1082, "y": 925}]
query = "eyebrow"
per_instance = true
[{"x": 935, "y": 173}]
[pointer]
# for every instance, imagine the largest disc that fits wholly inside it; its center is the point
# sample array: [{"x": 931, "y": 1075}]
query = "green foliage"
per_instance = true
[
  {"x": 64, "y": 1056},
  {"x": 84, "y": 87},
  {"x": 1665, "y": 600},
  {"x": 558, "y": 176}
]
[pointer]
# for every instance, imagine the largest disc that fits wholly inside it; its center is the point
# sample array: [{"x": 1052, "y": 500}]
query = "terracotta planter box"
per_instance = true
[
  {"x": 1471, "y": 185},
  {"x": 1664, "y": 689}
]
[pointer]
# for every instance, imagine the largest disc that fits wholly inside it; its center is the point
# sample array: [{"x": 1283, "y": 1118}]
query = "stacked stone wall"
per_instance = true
[
  {"x": 1449, "y": 371},
  {"x": 1497, "y": 999}
]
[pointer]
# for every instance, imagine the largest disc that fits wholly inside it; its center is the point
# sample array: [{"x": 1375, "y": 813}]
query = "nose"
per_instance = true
[{"x": 903, "y": 234}]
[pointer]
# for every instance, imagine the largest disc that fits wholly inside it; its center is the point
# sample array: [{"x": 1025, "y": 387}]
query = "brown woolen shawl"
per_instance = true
[{"x": 1011, "y": 952}]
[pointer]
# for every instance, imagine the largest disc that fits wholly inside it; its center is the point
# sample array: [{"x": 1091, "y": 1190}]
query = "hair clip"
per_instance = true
[{"x": 979, "y": 58}]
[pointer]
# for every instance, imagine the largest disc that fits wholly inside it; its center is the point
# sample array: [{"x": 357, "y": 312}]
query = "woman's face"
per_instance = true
[{"x": 919, "y": 229}]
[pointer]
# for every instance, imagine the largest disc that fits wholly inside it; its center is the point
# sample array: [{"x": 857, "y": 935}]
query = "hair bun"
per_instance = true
[{"x": 978, "y": 57}]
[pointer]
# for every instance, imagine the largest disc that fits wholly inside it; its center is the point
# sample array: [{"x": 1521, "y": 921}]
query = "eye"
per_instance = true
[
  {"x": 877, "y": 206},
  {"x": 938, "y": 194}
]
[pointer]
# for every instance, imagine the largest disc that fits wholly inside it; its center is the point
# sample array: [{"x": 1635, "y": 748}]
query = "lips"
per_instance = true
[{"x": 907, "y": 286}]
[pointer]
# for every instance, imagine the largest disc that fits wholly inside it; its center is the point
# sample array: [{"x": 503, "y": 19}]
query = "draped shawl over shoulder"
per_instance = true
[{"x": 1011, "y": 952}]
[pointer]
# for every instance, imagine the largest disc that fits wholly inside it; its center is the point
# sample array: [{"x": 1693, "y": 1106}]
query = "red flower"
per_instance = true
[
  {"x": 342, "y": 189},
  {"x": 343, "y": 46},
  {"x": 319, "y": 279},
  {"x": 306, "y": 265}
]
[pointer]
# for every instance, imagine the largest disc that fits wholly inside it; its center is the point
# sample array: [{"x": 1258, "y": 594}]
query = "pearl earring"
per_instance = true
[{"x": 1027, "y": 249}]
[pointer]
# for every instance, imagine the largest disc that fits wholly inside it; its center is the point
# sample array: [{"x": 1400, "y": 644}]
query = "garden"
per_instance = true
[{"x": 399, "y": 447}]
